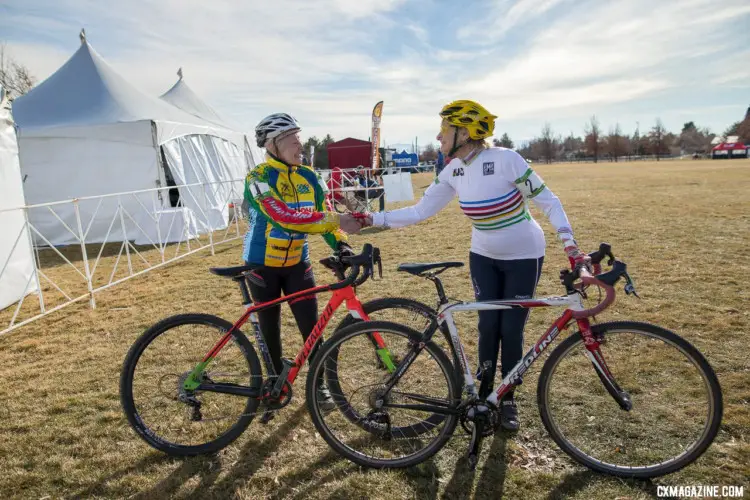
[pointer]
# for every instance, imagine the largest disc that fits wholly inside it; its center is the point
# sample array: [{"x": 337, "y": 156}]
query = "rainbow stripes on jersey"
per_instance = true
[{"x": 496, "y": 213}]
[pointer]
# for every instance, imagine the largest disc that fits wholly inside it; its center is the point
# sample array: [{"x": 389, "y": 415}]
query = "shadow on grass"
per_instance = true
[
  {"x": 372, "y": 230},
  {"x": 50, "y": 258},
  {"x": 251, "y": 458},
  {"x": 205, "y": 468},
  {"x": 302, "y": 484},
  {"x": 100, "y": 487},
  {"x": 491, "y": 482},
  {"x": 574, "y": 483}
]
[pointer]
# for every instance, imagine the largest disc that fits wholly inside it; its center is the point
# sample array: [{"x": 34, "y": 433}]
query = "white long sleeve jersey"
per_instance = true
[{"x": 493, "y": 191}]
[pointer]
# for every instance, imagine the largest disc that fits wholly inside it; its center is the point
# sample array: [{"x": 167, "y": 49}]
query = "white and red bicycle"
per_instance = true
[{"x": 624, "y": 398}]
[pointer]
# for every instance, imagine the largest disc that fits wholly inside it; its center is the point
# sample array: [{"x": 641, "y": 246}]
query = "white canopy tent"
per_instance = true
[
  {"x": 183, "y": 97},
  {"x": 86, "y": 131},
  {"x": 17, "y": 270}
]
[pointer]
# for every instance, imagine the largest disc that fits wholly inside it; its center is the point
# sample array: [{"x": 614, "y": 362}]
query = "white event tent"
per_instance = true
[
  {"x": 183, "y": 97},
  {"x": 85, "y": 131},
  {"x": 17, "y": 268}
]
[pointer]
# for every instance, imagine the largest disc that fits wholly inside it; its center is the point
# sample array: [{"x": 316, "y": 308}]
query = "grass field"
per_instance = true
[{"x": 682, "y": 226}]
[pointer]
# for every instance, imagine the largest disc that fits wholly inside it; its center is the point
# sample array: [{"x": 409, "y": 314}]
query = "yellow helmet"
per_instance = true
[{"x": 472, "y": 115}]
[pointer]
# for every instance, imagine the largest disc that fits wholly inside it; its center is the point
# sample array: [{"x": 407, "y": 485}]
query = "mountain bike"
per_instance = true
[
  {"x": 192, "y": 383},
  {"x": 650, "y": 406}
]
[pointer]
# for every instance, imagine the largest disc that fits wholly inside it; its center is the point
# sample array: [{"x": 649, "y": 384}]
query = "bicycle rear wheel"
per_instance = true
[
  {"x": 152, "y": 391},
  {"x": 405, "y": 312},
  {"x": 676, "y": 401},
  {"x": 382, "y": 436},
  {"x": 409, "y": 313}
]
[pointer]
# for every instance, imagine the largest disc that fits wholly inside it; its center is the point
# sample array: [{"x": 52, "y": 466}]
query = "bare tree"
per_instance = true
[
  {"x": 429, "y": 153},
  {"x": 657, "y": 138},
  {"x": 733, "y": 129},
  {"x": 15, "y": 78},
  {"x": 744, "y": 128},
  {"x": 506, "y": 142},
  {"x": 693, "y": 140},
  {"x": 616, "y": 142},
  {"x": 548, "y": 143},
  {"x": 593, "y": 140}
]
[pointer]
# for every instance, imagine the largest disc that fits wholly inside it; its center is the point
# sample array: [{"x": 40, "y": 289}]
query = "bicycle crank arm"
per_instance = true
[
  {"x": 234, "y": 389},
  {"x": 279, "y": 385},
  {"x": 476, "y": 443}
]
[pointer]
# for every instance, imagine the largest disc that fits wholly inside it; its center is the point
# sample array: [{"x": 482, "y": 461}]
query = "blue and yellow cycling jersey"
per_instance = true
[{"x": 286, "y": 204}]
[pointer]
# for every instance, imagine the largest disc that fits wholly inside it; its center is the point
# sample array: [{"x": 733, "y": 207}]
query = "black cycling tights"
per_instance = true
[
  {"x": 502, "y": 280},
  {"x": 273, "y": 281}
]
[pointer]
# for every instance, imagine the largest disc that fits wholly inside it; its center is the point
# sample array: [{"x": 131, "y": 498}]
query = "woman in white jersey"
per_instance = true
[{"x": 493, "y": 186}]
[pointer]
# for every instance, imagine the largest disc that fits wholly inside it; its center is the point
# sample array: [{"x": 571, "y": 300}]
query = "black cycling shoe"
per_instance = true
[{"x": 509, "y": 414}]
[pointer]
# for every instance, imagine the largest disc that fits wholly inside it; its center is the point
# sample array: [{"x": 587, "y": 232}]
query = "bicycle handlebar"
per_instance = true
[
  {"x": 589, "y": 279},
  {"x": 603, "y": 280},
  {"x": 366, "y": 259}
]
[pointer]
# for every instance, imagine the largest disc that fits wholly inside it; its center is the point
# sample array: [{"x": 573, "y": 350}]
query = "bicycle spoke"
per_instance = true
[
  {"x": 380, "y": 433},
  {"x": 673, "y": 403}
]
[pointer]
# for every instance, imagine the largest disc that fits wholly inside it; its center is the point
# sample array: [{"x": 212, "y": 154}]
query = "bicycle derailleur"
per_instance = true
[{"x": 189, "y": 398}]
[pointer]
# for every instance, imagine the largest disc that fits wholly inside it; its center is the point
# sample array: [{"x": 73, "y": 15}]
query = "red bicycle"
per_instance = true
[{"x": 192, "y": 383}]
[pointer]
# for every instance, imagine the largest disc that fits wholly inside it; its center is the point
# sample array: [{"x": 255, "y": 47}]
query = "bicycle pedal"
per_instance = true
[{"x": 267, "y": 417}]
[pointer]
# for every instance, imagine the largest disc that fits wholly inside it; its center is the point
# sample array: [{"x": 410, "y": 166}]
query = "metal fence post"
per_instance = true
[
  {"x": 37, "y": 262},
  {"x": 125, "y": 235},
  {"x": 82, "y": 239},
  {"x": 157, "y": 217},
  {"x": 208, "y": 218}
]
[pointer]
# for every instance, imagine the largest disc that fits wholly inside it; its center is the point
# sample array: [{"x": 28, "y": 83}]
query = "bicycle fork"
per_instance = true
[{"x": 594, "y": 353}]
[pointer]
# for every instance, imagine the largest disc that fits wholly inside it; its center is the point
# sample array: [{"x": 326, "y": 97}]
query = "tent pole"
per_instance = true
[{"x": 82, "y": 239}]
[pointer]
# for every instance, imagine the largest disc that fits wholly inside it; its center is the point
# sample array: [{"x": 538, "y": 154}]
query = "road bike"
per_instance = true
[
  {"x": 192, "y": 383},
  {"x": 625, "y": 398}
]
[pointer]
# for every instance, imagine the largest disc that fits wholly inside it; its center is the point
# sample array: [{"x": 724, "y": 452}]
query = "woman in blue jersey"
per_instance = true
[{"x": 493, "y": 186}]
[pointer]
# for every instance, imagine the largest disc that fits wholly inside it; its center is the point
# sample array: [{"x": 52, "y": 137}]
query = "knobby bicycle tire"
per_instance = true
[
  {"x": 318, "y": 417},
  {"x": 715, "y": 405},
  {"x": 128, "y": 371}
]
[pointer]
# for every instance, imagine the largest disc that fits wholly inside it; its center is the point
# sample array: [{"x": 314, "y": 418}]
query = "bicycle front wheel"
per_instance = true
[
  {"x": 363, "y": 430},
  {"x": 155, "y": 402},
  {"x": 676, "y": 401}
]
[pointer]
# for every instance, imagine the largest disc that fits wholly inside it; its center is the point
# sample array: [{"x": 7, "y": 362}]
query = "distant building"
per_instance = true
[{"x": 349, "y": 153}]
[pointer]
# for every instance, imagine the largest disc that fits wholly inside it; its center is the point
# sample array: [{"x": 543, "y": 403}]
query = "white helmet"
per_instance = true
[{"x": 274, "y": 125}]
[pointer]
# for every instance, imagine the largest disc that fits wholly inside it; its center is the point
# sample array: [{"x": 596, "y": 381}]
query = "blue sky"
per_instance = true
[{"x": 329, "y": 61}]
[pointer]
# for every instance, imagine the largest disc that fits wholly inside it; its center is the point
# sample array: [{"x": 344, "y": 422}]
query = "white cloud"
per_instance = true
[
  {"x": 327, "y": 63},
  {"x": 503, "y": 17}
]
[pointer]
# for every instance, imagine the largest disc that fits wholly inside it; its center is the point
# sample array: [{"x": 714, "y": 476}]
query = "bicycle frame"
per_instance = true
[
  {"x": 573, "y": 302},
  {"x": 342, "y": 295}
]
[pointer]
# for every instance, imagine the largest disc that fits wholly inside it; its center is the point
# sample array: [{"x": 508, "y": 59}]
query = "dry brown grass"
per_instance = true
[{"x": 682, "y": 227}]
